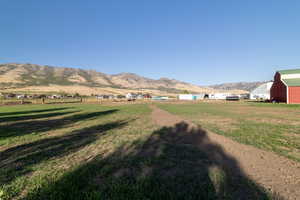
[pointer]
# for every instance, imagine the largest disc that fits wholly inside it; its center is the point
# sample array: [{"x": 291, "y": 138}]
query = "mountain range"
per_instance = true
[{"x": 43, "y": 78}]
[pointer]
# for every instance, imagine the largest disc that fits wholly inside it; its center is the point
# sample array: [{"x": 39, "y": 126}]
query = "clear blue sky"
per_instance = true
[{"x": 203, "y": 42}]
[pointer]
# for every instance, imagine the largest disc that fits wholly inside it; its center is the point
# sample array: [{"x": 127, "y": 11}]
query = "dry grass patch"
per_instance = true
[{"x": 274, "y": 133}]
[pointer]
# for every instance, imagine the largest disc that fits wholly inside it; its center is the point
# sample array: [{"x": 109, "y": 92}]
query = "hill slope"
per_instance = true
[{"x": 33, "y": 76}]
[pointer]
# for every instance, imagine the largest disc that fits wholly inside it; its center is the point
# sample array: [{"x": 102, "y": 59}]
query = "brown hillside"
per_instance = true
[{"x": 46, "y": 78}]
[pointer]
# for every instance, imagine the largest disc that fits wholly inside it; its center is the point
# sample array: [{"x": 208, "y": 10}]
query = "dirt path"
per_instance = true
[{"x": 274, "y": 172}]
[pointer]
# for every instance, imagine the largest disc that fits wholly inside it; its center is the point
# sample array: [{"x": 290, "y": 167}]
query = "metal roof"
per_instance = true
[
  {"x": 292, "y": 82},
  {"x": 263, "y": 88},
  {"x": 289, "y": 71}
]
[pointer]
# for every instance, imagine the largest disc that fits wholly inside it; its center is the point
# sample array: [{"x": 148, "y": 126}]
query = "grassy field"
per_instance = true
[
  {"x": 89, "y": 151},
  {"x": 273, "y": 127}
]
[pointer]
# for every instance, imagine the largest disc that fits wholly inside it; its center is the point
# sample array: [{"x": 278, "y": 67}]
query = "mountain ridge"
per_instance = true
[{"x": 18, "y": 75}]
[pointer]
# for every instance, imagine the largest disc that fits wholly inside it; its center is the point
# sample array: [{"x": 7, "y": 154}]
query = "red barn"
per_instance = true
[{"x": 286, "y": 86}]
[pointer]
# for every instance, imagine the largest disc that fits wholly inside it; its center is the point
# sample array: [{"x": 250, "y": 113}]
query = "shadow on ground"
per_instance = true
[
  {"x": 33, "y": 111},
  {"x": 39, "y": 126},
  {"x": 32, "y": 117},
  {"x": 17, "y": 161},
  {"x": 172, "y": 163},
  {"x": 63, "y": 102}
]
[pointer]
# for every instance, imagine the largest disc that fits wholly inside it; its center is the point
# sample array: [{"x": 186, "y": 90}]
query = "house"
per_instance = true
[
  {"x": 262, "y": 92},
  {"x": 140, "y": 96},
  {"x": 190, "y": 96},
  {"x": 129, "y": 96},
  {"x": 21, "y": 96},
  {"x": 147, "y": 96},
  {"x": 55, "y": 96},
  {"x": 10, "y": 95},
  {"x": 286, "y": 86},
  {"x": 99, "y": 96},
  {"x": 111, "y": 96}
]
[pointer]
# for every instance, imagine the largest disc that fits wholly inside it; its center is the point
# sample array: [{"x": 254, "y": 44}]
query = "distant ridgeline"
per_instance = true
[{"x": 21, "y": 75}]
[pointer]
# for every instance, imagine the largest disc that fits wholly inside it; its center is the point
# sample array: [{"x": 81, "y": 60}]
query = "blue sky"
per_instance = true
[{"x": 202, "y": 42}]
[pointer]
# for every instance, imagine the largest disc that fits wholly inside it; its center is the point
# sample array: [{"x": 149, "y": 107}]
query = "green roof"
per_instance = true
[
  {"x": 292, "y": 82},
  {"x": 289, "y": 71}
]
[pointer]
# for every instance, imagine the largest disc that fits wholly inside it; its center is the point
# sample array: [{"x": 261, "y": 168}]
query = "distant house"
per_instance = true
[
  {"x": 261, "y": 92},
  {"x": 111, "y": 96},
  {"x": 55, "y": 96},
  {"x": 21, "y": 96},
  {"x": 10, "y": 95},
  {"x": 286, "y": 86},
  {"x": 100, "y": 96},
  {"x": 140, "y": 96},
  {"x": 147, "y": 96},
  {"x": 129, "y": 96}
]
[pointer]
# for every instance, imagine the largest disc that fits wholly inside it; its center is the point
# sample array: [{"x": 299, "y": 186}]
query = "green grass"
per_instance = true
[
  {"x": 273, "y": 105},
  {"x": 90, "y": 151},
  {"x": 272, "y": 127}
]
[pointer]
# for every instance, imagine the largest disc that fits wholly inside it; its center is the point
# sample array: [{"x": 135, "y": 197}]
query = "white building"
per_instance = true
[
  {"x": 261, "y": 92},
  {"x": 55, "y": 96},
  {"x": 219, "y": 96},
  {"x": 140, "y": 96},
  {"x": 191, "y": 96},
  {"x": 128, "y": 96},
  {"x": 20, "y": 96}
]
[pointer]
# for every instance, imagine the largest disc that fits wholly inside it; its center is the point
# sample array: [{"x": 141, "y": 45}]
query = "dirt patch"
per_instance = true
[{"x": 274, "y": 172}]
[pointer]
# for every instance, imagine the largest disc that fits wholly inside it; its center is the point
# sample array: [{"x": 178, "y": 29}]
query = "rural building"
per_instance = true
[
  {"x": 129, "y": 96},
  {"x": 233, "y": 98},
  {"x": 219, "y": 96},
  {"x": 21, "y": 96},
  {"x": 261, "y": 92},
  {"x": 286, "y": 86},
  {"x": 191, "y": 96},
  {"x": 160, "y": 98},
  {"x": 245, "y": 96}
]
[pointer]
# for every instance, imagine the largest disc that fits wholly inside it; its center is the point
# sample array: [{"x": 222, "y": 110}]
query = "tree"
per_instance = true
[{"x": 76, "y": 95}]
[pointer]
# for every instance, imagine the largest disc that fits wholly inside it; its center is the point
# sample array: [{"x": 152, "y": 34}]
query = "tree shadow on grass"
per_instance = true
[
  {"x": 32, "y": 117},
  {"x": 36, "y": 127},
  {"x": 64, "y": 102},
  {"x": 173, "y": 163},
  {"x": 34, "y": 111},
  {"x": 18, "y": 161}
]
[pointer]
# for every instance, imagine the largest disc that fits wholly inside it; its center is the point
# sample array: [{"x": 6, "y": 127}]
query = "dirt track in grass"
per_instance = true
[{"x": 273, "y": 172}]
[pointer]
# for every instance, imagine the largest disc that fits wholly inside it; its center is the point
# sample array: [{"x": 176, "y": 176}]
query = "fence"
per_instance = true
[{"x": 14, "y": 101}]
